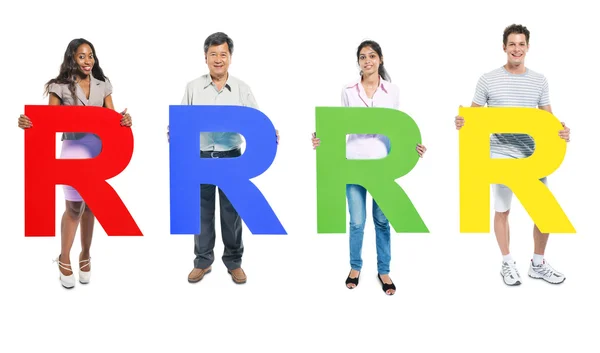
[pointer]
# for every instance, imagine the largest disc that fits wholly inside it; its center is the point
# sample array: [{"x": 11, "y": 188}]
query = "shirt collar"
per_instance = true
[
  {"x": 382, "y": 85},
  {"x": 208, "y": 81},
  {"x": 79, "y": 91}
]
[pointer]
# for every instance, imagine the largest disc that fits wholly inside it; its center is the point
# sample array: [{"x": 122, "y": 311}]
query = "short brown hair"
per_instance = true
[{"x": 515, "y": 29}]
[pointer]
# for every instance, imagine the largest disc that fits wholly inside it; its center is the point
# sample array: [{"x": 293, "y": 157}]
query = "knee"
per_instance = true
[
  {"x": 87, "y": 211},
  {"x": 381, "y": 223},
  {"x": 75, "y": 209},
  {"x": 502, "y": 215},
  {"x": 357, "y": 219},
  {"x": 357, "y": 224}
]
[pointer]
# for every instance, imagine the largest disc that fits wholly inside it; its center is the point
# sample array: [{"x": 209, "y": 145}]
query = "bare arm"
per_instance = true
[
  {"x": 25, "y": 122},
  {"x": 565, "y": 133},
  {"x": 108, "y": 103},
  {"x": 53, "y": 99},
  {"x": 459, "y": 121},
  {"x": 547, "y": 108}
]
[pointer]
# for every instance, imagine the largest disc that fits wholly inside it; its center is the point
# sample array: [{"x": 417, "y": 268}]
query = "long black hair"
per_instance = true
[
  {"x": 69, "y": 69},
  {"x": 377, "y": 48}
]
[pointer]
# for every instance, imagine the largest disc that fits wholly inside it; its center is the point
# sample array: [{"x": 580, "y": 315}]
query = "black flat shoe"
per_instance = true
[
  {"x": 386, "y": 286},
  {"x": 354, "y": 281}
]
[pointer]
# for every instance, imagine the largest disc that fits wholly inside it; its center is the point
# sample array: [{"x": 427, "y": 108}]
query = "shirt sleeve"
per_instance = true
[
  {"x": 108, "y": 88},
  {"x": 187, "y": 97},
  {"x": 481, "y": 92},
  {"x": 56, "y": 89},
  {"x": 545, "y": 96},
  {"x": 248, "y": 99},
  {"x": 345, "y": 98}
]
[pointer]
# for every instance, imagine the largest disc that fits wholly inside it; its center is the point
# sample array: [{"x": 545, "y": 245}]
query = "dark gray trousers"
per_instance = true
[{"x": 231, "y": 224}]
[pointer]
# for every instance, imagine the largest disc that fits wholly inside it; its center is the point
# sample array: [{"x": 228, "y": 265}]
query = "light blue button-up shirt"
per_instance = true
[{"x": 202, "y": 91}]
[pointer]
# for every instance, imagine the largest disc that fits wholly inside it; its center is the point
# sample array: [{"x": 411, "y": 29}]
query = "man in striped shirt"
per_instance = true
[{"x": 514, "y": 85}]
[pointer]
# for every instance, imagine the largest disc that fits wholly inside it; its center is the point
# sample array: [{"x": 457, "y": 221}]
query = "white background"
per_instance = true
[{"x": 296, "y": 56}]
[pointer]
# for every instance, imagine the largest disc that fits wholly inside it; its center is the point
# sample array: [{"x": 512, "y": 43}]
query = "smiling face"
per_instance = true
[
  {"x": 369, "y": 61},
  {"x": 84, "y": 58},
  {"x": 218, "y": 58},
  {"x": 516, "y": 48}
]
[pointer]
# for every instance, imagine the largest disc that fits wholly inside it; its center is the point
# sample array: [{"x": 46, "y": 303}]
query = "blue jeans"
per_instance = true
[{"x": 357, "y": 199}]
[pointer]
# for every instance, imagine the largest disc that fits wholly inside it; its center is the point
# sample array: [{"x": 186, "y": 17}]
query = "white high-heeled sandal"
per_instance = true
[
  {"x": 84, "y": 276},
  {"x": 66, "y": 281}
]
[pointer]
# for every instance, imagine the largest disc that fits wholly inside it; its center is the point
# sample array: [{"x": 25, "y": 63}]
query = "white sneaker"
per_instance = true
[
  {"x": 84, "y": 276},
  {"x": 546, "y": 272},
  {"x": 66, "y": 281},
  {"x": 510, "y": 274}
]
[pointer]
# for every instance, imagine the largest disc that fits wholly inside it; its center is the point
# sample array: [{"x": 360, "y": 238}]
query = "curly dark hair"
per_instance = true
[{"x": 69, "y": 68}]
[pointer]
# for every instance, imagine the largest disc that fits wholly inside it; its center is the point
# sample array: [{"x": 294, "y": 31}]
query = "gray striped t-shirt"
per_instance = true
[{"x": 500, "y": 88}]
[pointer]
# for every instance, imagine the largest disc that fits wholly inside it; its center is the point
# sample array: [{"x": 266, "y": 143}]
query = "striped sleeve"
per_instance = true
[
  {"x": 481, "y": 92},
  {"x": 545, "y": 96}
]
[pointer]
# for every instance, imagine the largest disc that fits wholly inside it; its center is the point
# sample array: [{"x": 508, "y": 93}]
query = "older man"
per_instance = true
[{"x": 218, "y": 88}]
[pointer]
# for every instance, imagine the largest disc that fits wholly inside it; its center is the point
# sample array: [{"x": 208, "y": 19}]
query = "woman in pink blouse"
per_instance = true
[{"x": 372, "y": 89}]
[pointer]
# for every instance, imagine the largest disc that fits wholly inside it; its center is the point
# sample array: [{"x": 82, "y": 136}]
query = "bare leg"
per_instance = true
[
  {"x": 68, "y": 228},
  {"x": 540, "y": 240},
  {"x": 87, "y": 229},
  {"x": 543, "y": 270},
  {"x": 502, "y": 230}
]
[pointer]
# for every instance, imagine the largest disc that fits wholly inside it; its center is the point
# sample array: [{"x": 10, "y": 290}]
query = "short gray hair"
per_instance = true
[{"x": 218, "y": 38}]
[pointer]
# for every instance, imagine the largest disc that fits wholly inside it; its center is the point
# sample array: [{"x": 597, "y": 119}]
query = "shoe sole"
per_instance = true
[
  {"x": 83, "y": 282},
  {"x": 355, "y": 286},
  {"x": 517, "y": 283},
  {"x": 63, "y": 284},
  {"x": 233, "y": 279},
  {"x": 545, "y": 280},
  {"x": 357, "y": 280},
  {"x": 205, "y": 273}
]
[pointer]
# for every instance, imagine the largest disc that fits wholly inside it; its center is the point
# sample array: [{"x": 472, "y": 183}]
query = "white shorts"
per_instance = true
[{"x": 502, "y": 194}]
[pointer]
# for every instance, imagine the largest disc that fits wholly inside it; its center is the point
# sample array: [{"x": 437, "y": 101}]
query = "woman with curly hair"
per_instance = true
[{"x": 80, "y": 81}]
